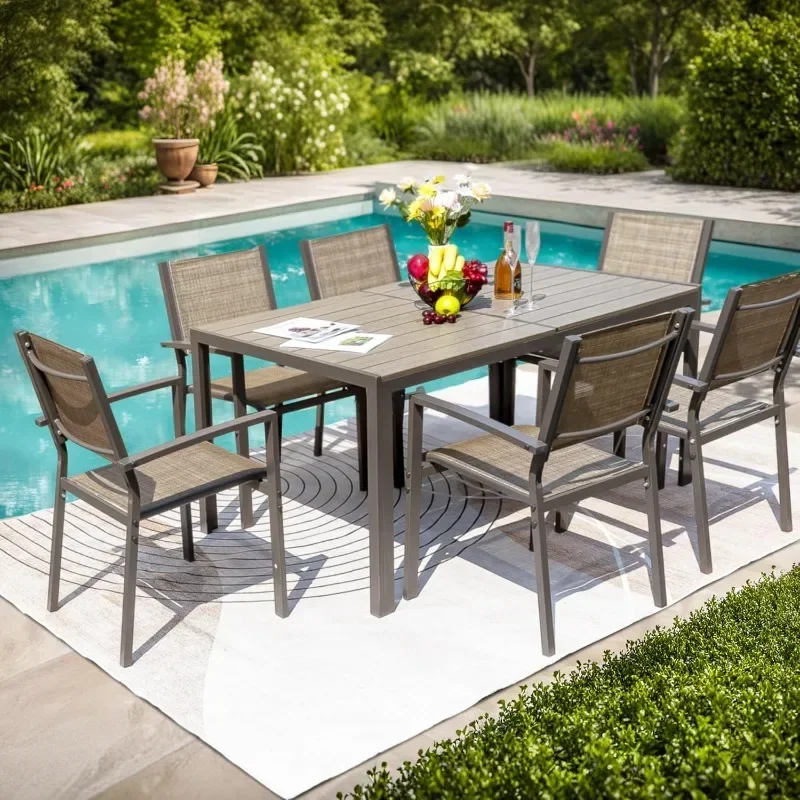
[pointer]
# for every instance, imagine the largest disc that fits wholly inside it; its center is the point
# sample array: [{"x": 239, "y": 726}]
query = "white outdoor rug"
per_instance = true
[{"x": 299, "y": 700}]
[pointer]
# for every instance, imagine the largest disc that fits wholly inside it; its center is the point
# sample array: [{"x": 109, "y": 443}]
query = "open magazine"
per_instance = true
[
  {"x": 306, "y": 329},
  {"x": 351, "y": 342}
]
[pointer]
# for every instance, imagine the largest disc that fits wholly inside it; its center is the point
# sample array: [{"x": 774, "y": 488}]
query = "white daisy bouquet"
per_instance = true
[{"x": 438, "y": 210}]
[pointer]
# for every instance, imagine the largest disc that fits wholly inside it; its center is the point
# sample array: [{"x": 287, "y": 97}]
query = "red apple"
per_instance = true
[{"x": 418, "y": 267}]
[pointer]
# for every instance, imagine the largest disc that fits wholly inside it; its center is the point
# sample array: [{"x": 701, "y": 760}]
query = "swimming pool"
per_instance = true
[{"x": 114, "y": 310}]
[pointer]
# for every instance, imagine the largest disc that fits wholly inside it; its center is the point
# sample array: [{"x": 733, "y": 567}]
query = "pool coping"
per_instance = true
[{"x": 744, "y": 216}]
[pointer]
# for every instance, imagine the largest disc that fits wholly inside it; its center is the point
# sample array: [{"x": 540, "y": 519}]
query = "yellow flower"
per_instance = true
[
  {"x": 427, "y": 190},
  {"x": 414, "y": 209},
  {"x": 438, "y": 179}
]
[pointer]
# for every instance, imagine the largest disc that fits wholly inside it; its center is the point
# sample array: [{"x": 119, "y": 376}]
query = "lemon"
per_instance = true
[{"x": 447, "y": 305}]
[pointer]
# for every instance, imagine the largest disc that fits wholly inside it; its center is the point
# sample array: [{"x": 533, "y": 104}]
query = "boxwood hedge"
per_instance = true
[
  {"x": 743, "y": 99},
  {"x": 707, "y": 708}
]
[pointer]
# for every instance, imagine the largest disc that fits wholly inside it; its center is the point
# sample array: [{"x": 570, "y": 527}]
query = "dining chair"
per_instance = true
[
  {"x": 352, "y": 262},
  {"x": 606, "y": 381},
  {"x": 756, "y": 335},
  {"x": 206, "y": 289},
  {"x": 654, "y": 246},
  {"x": 132, "y": 488}
]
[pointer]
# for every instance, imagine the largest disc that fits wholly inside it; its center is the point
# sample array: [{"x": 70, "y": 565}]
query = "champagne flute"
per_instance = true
[{"x": 533, "y": 242}]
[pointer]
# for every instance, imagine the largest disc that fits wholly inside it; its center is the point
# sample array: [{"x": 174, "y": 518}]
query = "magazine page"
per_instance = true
[{"x": 307, "y": 329}]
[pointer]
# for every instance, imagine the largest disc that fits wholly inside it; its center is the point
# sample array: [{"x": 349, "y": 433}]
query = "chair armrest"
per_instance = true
[
  {"x": 690, "y": 383},
  {"x": 204, "y": 435},
  {"x": 479, "y": 421},
  {"x": 142, "y": 388},
  {"x": 177, "y": 345},
  {"x": 703, "y": 327},
  {"x": 130, "y": 391}
]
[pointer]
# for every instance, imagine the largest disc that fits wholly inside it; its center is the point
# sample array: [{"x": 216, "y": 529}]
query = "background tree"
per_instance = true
[
  {"x": 44, "y": 44},
  {"x": 541, "y": 27}
]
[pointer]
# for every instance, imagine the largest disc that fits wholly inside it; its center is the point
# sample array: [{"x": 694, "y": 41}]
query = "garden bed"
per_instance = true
[{"x": 707, "y": 708}]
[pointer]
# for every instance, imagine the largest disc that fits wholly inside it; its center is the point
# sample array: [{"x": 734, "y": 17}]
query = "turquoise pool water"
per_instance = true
[{"x": 114, "y": 310}]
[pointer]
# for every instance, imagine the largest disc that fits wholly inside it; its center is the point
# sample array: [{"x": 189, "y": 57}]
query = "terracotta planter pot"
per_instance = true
[
  {"x": 176, "y": 157},
  {"x": 204, "y": 174}
]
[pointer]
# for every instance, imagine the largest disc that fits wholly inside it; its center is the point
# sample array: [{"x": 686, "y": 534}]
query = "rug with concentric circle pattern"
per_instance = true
[{"x": 296, "y": 701}]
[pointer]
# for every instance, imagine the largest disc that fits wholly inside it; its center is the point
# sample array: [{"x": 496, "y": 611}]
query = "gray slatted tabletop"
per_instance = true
[{"x": 575, "y": 300}]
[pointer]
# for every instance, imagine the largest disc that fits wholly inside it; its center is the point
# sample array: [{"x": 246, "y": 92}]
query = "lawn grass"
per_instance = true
[{"x": 707, "y": 708}]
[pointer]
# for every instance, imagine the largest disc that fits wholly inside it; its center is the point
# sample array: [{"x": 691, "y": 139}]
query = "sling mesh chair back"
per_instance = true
[
  {"x": 656, "y": 246},
  {"x": 134, "y": 487},
  {"x": 207, "y": 289},
  {"x": 351, "y": 262},
  {"x": 606, "y": 381},
  {"x": 756, "y": 334}
]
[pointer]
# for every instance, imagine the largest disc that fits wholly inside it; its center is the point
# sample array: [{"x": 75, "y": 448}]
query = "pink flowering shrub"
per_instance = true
[
  {"x": 178, "y": 104},
  {"x": 586, "y": 129}
]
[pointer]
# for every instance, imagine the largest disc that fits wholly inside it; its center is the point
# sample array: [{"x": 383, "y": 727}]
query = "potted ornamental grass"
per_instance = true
[{"x": 180, "y": 107}]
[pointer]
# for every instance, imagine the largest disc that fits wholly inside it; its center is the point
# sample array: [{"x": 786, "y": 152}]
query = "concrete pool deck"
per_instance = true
[{"x": 747, "y": 216}]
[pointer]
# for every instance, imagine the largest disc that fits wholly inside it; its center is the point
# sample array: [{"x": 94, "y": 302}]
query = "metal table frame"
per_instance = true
[{"x": 576, "y": 300}]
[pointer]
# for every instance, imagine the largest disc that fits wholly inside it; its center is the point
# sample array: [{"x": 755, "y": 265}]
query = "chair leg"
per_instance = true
[
  {"x": 685, "y": 471},
  {"x": 542, "y": 394},
  {"x": 129, "y": 591},
  {"x": 278, "y": 409},
  {"x": 413, "y": 492},
  {"x": 620, "y": 443},
  {"x": 361, "y": 437},
  {"x": 700, "y": 504},
  {"x": 398, "y": 410},
  {"x": 783, "y": 468},
  {"x": 661, "y": 458},
  {"x": 539, "y": 538},
  {"x": 56, "y": 544},
  {"x": 276, "y": 539},
  {"x": 658, "y": 581},
  {"x": 562, "y": 519},
  {"x": 186, "y": 532},
  {"x": 318, "y": 428}
]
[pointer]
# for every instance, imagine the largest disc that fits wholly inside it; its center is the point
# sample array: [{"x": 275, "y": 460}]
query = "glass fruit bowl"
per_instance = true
[{"x": 463, "y": 280}]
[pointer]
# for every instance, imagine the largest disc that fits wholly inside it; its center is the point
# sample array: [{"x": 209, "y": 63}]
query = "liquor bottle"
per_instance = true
[{"x": 507, "y": 270}]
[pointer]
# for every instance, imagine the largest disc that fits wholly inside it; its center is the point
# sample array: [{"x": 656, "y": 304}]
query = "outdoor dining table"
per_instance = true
[{"x": 576, "y": 300}]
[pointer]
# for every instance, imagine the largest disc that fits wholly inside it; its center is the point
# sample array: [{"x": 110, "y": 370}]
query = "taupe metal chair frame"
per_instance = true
[
  {"x": 611, "y": 379},
  {"x": 756, "y": 334},
  {"x": 348, "y": 262},
  {"x": 661, "y": 247},
  {"x": 135, "y": 487},
  {"x": 212, "y": 288}
]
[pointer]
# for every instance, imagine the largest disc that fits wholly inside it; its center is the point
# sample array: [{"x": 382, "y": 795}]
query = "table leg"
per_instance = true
[
  {"x": 381, "y": 500},
  {"x": 242, "y": 435},
  {"x": 201, "y": 380},
  {"x": 691, "y": 365},
  {"x": 502, "y": 389},
  {"x": 398, "y": 410}
]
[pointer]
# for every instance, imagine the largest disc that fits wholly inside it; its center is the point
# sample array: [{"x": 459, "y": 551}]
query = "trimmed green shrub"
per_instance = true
[
  {"x": 505, "y": 127},
  {"x": 115, "y": 144},
  {"x": 707, "y": 708},
  {"x": 743, "y": 125},
  {"x": 599, "y": 159}
]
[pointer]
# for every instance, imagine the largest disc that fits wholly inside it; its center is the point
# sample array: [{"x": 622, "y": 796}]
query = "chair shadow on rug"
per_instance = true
[
  {"x": 587, "y": 561},
  {"x": 215, "y": 575}
]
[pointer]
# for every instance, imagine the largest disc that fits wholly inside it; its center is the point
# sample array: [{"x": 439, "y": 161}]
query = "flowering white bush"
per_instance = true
[
  {"x": 296, "y": 114},
  {"x": 179, "y": 104}
]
